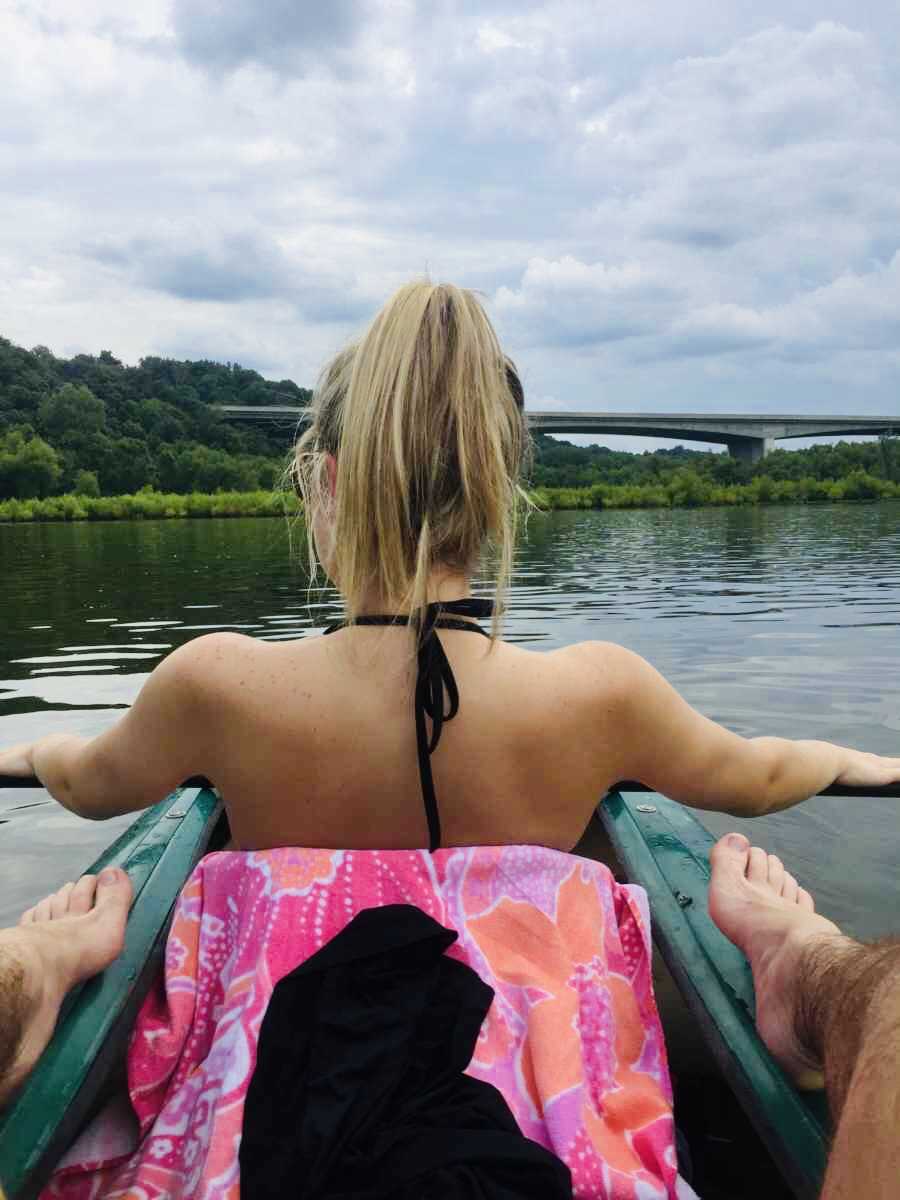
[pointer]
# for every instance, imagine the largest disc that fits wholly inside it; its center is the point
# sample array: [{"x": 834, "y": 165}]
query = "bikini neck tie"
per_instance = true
[{"x": 436, "y": 695}]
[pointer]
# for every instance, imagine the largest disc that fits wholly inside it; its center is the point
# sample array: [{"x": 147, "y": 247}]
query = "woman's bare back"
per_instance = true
[
  {"x": 313, "y": 743},
  {"x": 316, "y": 743}
]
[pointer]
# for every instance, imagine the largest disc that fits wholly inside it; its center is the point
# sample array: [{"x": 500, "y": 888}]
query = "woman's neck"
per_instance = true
[{"x": 442, "y": 586}]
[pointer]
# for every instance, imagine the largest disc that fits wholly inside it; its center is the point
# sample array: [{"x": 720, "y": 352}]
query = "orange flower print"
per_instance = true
[
  {"x": 584, "y": 1026},
  {"x": 294, "y": 871}
]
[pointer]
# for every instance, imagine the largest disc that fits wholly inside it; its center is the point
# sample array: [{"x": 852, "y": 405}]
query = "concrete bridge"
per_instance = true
[{"x": 748, "y": 438}]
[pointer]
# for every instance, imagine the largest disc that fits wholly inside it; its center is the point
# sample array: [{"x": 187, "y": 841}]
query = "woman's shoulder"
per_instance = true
[
  {"x": 225, "y": 659},
  {"x": 214, "y": 651},
  {"x": 585, "y": 658},
  {"x": 589, "y": 674}
]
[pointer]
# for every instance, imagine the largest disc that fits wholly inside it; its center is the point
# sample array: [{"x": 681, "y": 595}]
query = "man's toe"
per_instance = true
[
  {"x": 729, "y": 856},
  {"x": 81, "y": 900},
  {"x": 113, "y": 898}
]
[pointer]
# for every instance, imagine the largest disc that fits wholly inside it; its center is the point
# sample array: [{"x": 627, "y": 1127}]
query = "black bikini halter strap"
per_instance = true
[{"x": 434, "y": 681}]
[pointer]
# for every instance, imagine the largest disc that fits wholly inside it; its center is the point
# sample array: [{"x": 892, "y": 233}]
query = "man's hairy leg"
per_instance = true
[
  {"x": 13, "y": 1004},
  {"x": 824, "y": 1003},
  {"x": 64, "y": 939},
  {"x": 848, "y": 1011}
]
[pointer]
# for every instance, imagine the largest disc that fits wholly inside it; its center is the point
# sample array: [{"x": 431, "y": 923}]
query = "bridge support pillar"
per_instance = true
[{"x": 750, "y": 450}]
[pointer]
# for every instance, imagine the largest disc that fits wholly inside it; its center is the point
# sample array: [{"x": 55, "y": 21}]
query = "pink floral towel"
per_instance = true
[{"x": 572, "y": 1039}]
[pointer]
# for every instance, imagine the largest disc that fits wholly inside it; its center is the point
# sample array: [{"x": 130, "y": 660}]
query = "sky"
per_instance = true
[{"x": 667, "y": 208}]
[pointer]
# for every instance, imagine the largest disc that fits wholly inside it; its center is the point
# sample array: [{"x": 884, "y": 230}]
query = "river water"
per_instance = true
[{"x": 769, "y": 620}]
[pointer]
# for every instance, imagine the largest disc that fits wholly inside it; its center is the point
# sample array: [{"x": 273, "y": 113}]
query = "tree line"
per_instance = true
[
  {"x": 93, "y": 427},
  {"x": 559, "y": 464}
]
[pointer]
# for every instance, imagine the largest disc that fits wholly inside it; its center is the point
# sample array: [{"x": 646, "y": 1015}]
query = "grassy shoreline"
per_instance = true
[
  {"x": 149, "y": 505},
  {"x": 687, "y": 489},
  {"x": 683, "y": 490}
]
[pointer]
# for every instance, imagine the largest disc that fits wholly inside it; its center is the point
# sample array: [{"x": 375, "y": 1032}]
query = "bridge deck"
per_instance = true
[{"x": 749, "y": 436}]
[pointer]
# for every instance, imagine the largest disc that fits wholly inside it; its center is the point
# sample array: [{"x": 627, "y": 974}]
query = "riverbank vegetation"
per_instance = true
[
  {"x": 685, "y": 489},
  {"x": 89, "y": 438},
  {"x": 559, "y": 464},
  {"x": 149, "y": 505}
]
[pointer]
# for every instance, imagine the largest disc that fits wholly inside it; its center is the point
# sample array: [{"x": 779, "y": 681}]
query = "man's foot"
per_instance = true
[
  {"x": 66, "y": 938},
  {"x": 760, "y": 907}
]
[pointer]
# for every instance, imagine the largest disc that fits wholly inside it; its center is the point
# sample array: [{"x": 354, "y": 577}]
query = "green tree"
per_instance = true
[
  {"x": 86, "y": 484},
  {"x": 71, "y": 413},
  {"x": 889, "y": 454},
  {"x": 127, "y": 466},
  {"x": 727, "y": 470},
  {"x": 688, "y": 489},
  {"x": 29, "y": 466}
]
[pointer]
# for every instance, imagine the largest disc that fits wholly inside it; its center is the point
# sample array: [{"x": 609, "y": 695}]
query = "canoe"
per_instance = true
[{"x": 657, "y": 844}]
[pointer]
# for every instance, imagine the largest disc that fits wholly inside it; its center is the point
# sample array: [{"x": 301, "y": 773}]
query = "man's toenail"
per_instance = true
[
  {"x": 737, "y": 841},
  {"x": 108, "y": 876}
]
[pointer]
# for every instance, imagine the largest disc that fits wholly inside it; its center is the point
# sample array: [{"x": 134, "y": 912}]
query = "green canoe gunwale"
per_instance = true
[{"x": 158, "y": 852}]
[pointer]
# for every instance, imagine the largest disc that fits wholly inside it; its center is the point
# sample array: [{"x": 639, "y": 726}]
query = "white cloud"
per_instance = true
[{"x": 571, "y": 303}]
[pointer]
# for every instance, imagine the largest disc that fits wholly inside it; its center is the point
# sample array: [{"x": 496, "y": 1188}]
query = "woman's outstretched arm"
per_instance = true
[
  {"x": 669, "y": 746},
  {"x": 159, "y": 742}
]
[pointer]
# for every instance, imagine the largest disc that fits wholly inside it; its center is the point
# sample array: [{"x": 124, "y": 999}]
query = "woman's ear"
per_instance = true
[{"x": 331, "y": 467}]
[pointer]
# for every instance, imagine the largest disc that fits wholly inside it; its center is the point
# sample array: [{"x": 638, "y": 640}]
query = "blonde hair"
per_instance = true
[{"x": 424, "y": 416}]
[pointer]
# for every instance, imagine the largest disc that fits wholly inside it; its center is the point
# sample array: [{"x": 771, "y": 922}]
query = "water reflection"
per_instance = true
[{"x": 769, "y": 620}]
